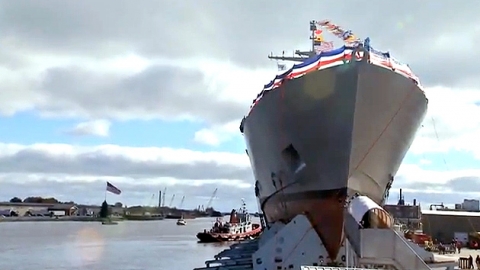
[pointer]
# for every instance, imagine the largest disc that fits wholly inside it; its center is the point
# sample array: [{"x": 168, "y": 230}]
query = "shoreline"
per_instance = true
[{"x": 59, "y": 219}]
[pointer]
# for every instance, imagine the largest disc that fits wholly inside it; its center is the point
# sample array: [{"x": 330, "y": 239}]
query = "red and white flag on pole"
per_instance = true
[{"x": 113, "y": 189}]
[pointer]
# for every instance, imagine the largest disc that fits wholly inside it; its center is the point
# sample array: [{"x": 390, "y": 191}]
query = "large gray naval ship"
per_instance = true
[{"x": 338, "y": 123}]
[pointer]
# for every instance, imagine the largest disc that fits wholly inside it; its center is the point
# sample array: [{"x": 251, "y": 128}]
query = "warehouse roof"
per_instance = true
[{"x": 451, "y": 213}]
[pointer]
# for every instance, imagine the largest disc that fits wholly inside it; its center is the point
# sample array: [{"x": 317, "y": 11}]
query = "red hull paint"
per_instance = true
[{"x": 325, "y": 214}]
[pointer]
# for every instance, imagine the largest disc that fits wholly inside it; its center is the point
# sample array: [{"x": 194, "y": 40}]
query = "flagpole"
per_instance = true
[{"x": 105, "y": 194}]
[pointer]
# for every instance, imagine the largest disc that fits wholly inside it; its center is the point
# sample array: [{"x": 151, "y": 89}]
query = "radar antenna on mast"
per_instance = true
[
  {"x": 318, "y": 43},
  {"x": 243, "y": 209},
  {"x": 302, "y": 55}
]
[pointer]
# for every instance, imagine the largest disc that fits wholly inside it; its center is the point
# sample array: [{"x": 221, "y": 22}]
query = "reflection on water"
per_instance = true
[{"x": 84, "y": 245}]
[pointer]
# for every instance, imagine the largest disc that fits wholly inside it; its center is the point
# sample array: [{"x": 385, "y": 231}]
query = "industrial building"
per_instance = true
[
  {"x": 468, "y": 205},
  {"x": 37, "y": 209},
  {"x": 448, "y": 225},
  {"x": 21, "y": 209},
  {"x": 441, "y": 223},
  {"x": 409, "y": 215},
  {"x": 94, "y": 210}
]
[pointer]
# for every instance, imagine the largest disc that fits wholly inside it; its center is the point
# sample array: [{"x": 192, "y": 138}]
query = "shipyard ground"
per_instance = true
[
  {"x": 239, "y": 256},
  {"x": 296, "y": 246},
  {"x": 465, "y": 253}
]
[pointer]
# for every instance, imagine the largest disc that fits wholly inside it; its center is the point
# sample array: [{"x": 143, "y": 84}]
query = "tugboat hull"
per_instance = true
[{"x": 208, "y": 237}]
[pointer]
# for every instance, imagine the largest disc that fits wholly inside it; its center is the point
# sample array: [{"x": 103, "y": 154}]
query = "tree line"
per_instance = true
[
  {"x": 35, "y": 199},
  {"x": 49, "y": 200}
]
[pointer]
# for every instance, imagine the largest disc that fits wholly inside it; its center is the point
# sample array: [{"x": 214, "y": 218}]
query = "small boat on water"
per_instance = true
[
  {"x": 144, "y": 217},
  {"x": 109, "y": 222},
  {"x": 173, "y": 216},
  {"x": 239, "y": 227},
  {"x": 181, "y": 221}
]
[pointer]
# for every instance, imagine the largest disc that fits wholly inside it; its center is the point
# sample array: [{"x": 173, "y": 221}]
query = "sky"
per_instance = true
[{"x": 151, "y": 96}]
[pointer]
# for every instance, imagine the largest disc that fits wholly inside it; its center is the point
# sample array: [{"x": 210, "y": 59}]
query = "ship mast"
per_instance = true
[{"x": 302, "y": 55}]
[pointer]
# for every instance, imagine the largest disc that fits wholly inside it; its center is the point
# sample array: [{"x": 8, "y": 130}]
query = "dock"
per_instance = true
[
  {"x": 237, "y": 257},
  {"x": 364, "y": 249}
]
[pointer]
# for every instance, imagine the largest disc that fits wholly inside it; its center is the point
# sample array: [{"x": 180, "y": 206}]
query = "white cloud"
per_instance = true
[
  {"x": 122, "y": 71},
  {"x": 79, "y": 95},
  {"x": 415, "y": 177},
  {"x": 79, "y": 173},
  {"x": 216, "y": 135},
  {"x": 115, "y": 75},
  {"x": 431, "y": 186},
  {"x": 129, "y": 86},
  {"x": 99, "y": 128},
  {"x": 425, "y": 162},
  {"x": 452, "y": 122},
  {"x": 207, "y": 136},
  {"x": 138, "y": 156},
  {"x": 135, "y": 191}
]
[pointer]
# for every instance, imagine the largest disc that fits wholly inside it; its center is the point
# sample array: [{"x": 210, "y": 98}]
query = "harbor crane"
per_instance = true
[
  {"x": 181, "y": 202},
  {"x": 152, "y": 199},
  {"x": 164, "y": 195},
  {"x": 209, "y": 204},
  {"x": 171, "y": 201}
]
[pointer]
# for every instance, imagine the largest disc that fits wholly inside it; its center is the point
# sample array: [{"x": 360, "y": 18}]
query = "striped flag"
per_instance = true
[
  {"x": 323, "y": 47},
  {"x": 113, "y": 189}
]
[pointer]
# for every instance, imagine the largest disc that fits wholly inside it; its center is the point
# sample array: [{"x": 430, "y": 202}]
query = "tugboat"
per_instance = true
[
  {"x": 181, "y": 221},
  {"x": 239, "y": 227}
]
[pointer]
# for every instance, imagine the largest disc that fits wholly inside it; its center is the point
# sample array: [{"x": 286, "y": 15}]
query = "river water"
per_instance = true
[{"x": 130, "y": 245}]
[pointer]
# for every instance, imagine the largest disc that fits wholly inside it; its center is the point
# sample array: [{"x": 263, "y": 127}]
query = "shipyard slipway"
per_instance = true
[{"x": 296, "y": 246}]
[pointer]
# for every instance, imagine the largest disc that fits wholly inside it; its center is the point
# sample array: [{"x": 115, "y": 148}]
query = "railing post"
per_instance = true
[{"x": 356, "y": 55}]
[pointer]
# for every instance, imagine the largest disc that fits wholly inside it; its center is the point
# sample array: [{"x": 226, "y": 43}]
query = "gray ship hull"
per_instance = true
[{"x": 322, "y": 137}]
